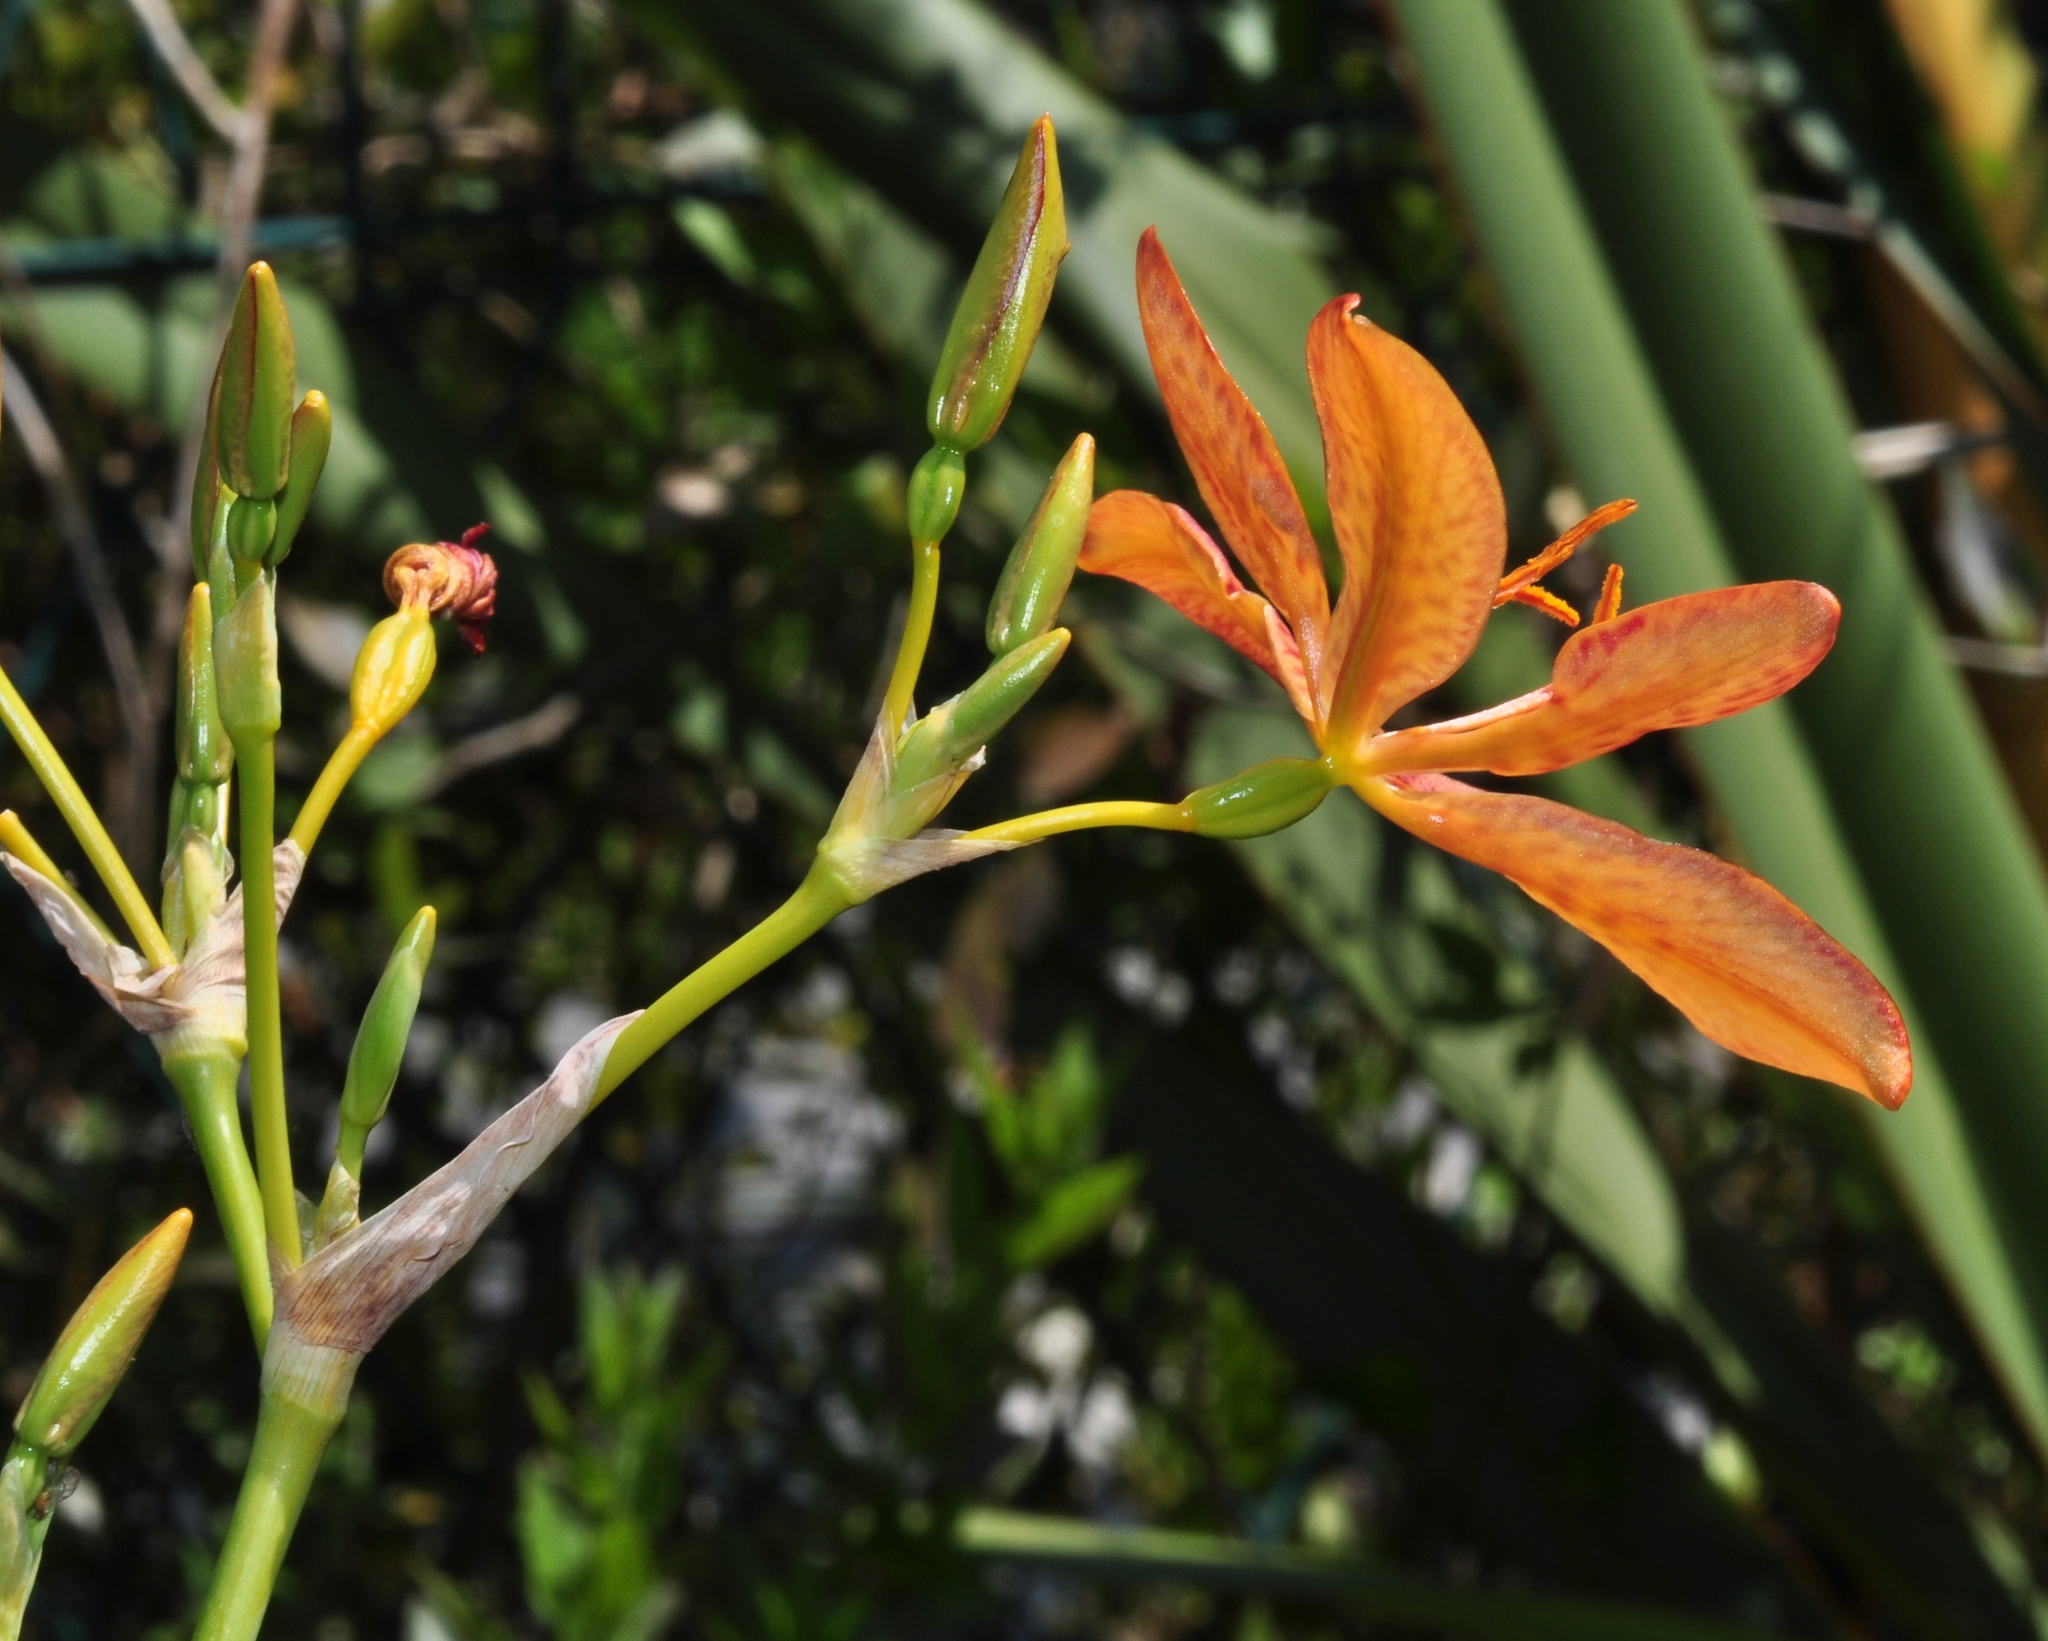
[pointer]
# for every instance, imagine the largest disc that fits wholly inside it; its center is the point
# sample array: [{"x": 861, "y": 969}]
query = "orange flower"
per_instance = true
[{"x": 1422, "y": 531}]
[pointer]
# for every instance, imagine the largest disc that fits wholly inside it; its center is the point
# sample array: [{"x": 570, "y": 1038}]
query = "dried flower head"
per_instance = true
[{"x": 455, "y": 579}]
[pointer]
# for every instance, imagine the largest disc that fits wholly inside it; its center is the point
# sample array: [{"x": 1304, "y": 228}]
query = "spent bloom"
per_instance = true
[
  {"x": 452, "y": 578},
  {"x": 1421, "y": 529}
]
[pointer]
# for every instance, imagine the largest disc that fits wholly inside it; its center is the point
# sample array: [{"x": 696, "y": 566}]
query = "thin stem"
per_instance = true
[
  {"x": 17, "y": 840},
  {"x": 258, "y": 765},
  {"x": 25, "y": 1514},
  {"x": 205, "y": 1078},
  {"x": 917, "y": 633},
  {"x": 817, "y": 901},
  {"x": 282, "y": 1463},
  {"x": 342, "y": 764},
  {"x": 1080, "y": 817},
  {"x": 175, "y": 49},
  {"x": 85, "y": 824}
]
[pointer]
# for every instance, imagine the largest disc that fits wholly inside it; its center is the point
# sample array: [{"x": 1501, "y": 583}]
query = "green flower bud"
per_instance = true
[
  {"x": 312, "y": 432},
  {"x": 1041, "y": 567},
  {"x": 99, "y": 1341},
  {"x": 204, "y": 751},
  {"x": 380, "y": 1041},
  {"x": 954, "y": 731},
  {"x": 1004, "y": 304},
  {"x": 932, "y": 499},
  {"x": 258, "y": 364},
  {"x": 245, "y": 665},
  {"x": 252, "y": 527},
  {"x": 1262, "y": 799}
]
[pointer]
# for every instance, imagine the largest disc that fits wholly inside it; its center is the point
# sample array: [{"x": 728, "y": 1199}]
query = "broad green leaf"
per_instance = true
[{"x": 1073, "y": 1211}]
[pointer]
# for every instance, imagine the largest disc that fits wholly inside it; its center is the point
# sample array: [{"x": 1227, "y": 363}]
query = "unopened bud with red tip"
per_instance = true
[
  {"x": 99, "y": 1342},
  {"x": 455, "y": 579},
  {"x": 1265, "y": 798},
  {"x": 1041, "y": 567},
  {"x": 254, "y": 385},
  {"x": 1004, "y": 304}
]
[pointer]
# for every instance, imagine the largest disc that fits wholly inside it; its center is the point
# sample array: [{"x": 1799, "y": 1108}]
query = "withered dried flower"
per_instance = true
[{"x": 455, "y": 579}]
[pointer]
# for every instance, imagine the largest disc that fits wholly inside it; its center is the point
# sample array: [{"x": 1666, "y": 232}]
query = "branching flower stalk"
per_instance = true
[{"x": 1418, "y": 518}]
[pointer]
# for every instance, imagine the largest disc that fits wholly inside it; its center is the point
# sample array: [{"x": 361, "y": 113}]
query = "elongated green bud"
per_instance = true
[
  {"x": 954, "y": 731},
  {"x": 1004, "y": 304},
  {"x": 380, "y": 1041},
  {"x": 931, "y": 501},
  {"x": 245, "y": 665},
  {"x": 312, "y": 433},
  {"x": 204, "y": 751},
  {"x": 1262, "y": 799},
  {"x": 1041, "y": 567},
  {"x": 258, "y": 367},
  {"x": 99, "y": 1341}
]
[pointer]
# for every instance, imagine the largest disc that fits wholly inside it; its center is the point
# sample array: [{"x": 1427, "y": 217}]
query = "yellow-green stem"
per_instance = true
[
  {"x": 1080, "y": 817},
  {"x": 19, "y": 842},
  {"x": 85, "y": 824},
  {"x": 817, "y": 901},
  {"x": 205, "y": 1076},
  {"x": 257, "y": 760},
  {"x": 24, "y": 1523},
  {"x": 290, "y": 1438},
  {"x": 341, "y": 767},
  {"x": 917, "y": 633}
]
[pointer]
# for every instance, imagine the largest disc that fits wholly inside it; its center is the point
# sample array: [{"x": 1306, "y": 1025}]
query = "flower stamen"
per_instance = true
[{"x": 1518, "y": 586}]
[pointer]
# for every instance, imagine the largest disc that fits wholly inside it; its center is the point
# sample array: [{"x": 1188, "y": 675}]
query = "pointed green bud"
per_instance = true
[
  {"x": 245, "y": 665},
  {"x": 1262, "y": 799},
  {"x": 258, "y": 367},
  {"x": 312, "y": 432},
  {"x": 954, "y": 731},
  {"x": 931, "y": 501},
  {"x": 204, "y": 751},
  {"x": 1041, "y": 567},
  {"x": 195, "y": 886},
  {"x": 1004, "y": 304},
  {"x": 100, "y": 1340},
  {"x": 380, "y": 1041}
]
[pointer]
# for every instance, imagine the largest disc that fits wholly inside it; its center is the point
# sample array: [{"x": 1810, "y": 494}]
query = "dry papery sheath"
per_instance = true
[
  {"x": 339, "y": 1303},
  {"x": 205, "y": 990}
]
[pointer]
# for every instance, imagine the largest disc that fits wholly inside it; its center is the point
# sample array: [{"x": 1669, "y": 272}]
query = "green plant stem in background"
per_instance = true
[
  {"x": 205, "y": 1078},
  {"x": 291, "y": 1436},
  {"x": 85, "y": 825},
  {"x": 266, "y": 1028},
  {"x": 817, "y": 901},
  {"x": 917, "y": 634}
]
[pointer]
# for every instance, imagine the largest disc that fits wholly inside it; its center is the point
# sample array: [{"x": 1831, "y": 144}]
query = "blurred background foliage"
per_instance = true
[{"x": 1132, "y": 1237}]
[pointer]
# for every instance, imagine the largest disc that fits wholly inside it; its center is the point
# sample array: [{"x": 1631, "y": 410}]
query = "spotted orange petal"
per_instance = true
[
  {"x": 1418, "y": 514},
  {"x": 1667, "y": 665},
  {"x": 1160, "y": 547},
  {"x": 1739, "y": 960},
  {"x": 1232, "y": 455}
]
